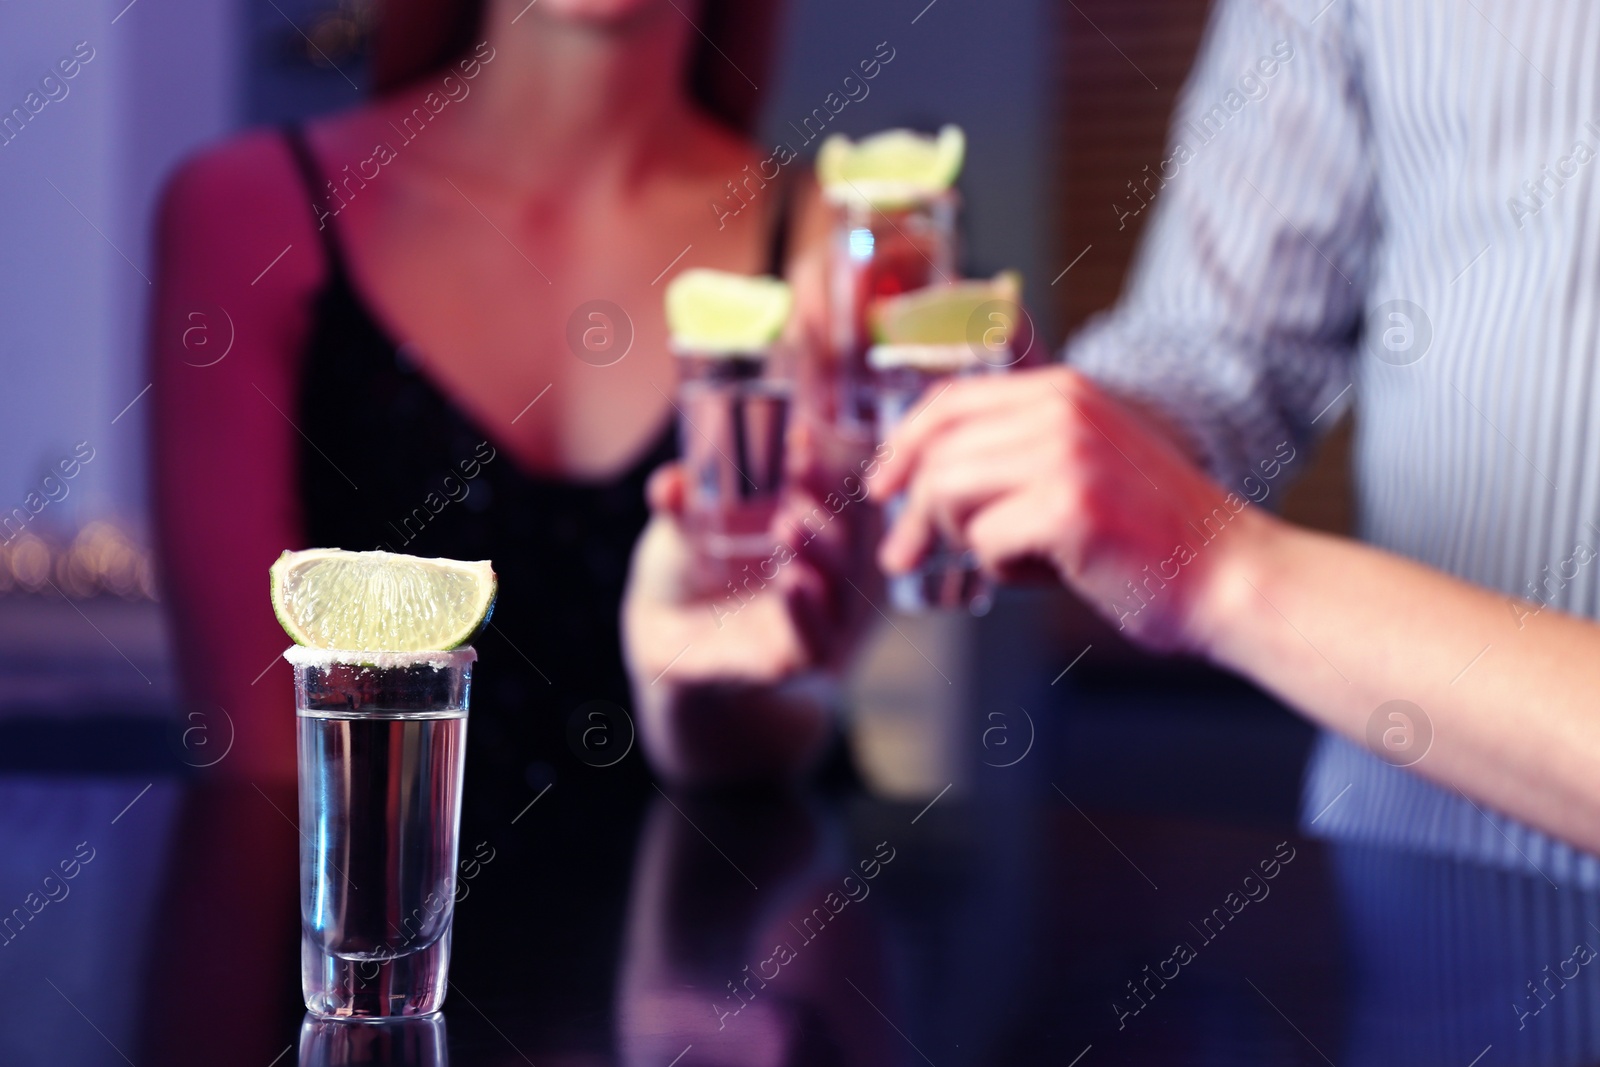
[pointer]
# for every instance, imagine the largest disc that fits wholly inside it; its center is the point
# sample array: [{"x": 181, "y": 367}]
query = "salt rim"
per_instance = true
[
  {"x": 887, "y": 194},
  {"x": 946, "y": 357},
  {"x": 684, "y": 350},
  {"x": 304, "y": 656}
]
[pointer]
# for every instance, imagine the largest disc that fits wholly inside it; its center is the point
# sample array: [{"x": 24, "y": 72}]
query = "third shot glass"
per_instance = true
[{"x": 934, "y": 335}]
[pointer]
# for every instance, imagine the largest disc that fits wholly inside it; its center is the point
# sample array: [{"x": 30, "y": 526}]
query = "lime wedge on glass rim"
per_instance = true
[
  {"x": 327, "y": 598},
  {"x": 940, "y": 314},
  {"x": 717, "y": 312},
  {"x": 895, "y": 168}
]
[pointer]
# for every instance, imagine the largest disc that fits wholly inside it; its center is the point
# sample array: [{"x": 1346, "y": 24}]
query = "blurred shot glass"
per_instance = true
[
  {"x": 902, "y": 374},
  {"x": 879, "y": 252},
  {"x": 733, "y": 419}
]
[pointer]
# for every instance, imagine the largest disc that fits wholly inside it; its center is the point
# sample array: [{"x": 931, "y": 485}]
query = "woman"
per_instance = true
[{"x": 405, "y": 293}]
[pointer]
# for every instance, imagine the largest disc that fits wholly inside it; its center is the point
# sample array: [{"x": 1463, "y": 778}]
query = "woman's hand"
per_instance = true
[
  {"x": 1042, "y": 467},
  {"x": 714, "y": 662},
  {"x": 760, "y": 624}
]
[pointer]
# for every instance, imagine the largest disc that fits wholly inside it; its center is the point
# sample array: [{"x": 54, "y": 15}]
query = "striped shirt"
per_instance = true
[{"x": 1393, "y": 204}]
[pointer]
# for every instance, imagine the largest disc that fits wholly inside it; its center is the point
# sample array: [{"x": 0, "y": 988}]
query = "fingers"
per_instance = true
[
  {"x": 968, "y": 467},
  {"x": 763, "y": 632},
  {"x": 1020, "y": 530},
  {"x": 812, "y": 609},
  {"x": 665, "y": 490},
  {"x": 969, "y": 398},
  {"x": 814, "y": 530}
]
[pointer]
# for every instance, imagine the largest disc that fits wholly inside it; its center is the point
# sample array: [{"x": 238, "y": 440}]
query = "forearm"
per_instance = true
[{"x": 1336, "y": 629}]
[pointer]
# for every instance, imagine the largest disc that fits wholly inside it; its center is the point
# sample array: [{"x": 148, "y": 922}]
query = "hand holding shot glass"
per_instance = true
[
  {"x": 926, "y": 338},
  {"x": 382, "y": 675},
  {"x": 733, "y": 410}
]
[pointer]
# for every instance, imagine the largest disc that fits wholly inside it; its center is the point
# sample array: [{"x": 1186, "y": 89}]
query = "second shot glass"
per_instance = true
[{"x": 734, "y": 416}]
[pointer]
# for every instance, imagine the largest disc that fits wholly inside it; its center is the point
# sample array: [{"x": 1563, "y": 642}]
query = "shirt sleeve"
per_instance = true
[{"x": 1244, "y": 304}]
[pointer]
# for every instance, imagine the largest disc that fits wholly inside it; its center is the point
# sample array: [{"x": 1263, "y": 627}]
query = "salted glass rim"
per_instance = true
[{"x": 439, "y": 660}]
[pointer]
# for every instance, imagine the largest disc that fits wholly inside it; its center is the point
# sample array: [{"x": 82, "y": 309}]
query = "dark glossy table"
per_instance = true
[{"x": 602, "y": 921}]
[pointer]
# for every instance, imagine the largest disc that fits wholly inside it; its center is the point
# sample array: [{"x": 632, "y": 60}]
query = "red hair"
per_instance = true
[{"x": 417, "y": 37}]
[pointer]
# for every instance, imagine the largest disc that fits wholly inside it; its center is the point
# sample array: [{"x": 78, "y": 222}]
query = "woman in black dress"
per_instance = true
[{"x": 405, "y": 293}]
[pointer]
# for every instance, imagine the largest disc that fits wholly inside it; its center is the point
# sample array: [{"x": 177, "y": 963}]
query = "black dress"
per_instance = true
[{"x": 389, "y": 463}]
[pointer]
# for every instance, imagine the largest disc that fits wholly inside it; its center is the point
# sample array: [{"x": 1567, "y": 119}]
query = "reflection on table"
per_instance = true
[{"x": 607, "y": 924}]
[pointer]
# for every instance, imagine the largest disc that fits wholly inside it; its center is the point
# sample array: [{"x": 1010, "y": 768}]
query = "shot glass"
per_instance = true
[
  {"x": 734, "y": 416},
  {"x": 878, "y": 252},
  {"x": 381, "y": 741},
  {"x": 948, "y": 577}
]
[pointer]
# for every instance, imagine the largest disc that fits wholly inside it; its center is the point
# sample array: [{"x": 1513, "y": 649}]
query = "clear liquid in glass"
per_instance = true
[
  {"x": 380, "y": 803},
  {"x": 878, "y": 253},
  {"x": 948, "y": 577},
  {"x": 732, "y": 432}
]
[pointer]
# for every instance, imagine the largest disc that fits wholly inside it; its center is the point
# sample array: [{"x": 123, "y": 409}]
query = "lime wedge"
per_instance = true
[
  {"x": 715, "y": 312},
  {"x": 380, "y": 601},
  {"x": 941, "y": 314},
  {"x": 894, "y": 168}
]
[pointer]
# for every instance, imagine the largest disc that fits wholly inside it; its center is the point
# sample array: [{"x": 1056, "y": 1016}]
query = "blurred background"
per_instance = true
[{"x": 1065, "y": 106}]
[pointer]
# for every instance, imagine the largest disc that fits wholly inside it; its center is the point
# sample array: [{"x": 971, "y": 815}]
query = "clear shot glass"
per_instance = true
[
  {"x": 418, "y": 1042},
  {"x": 381, "y": 742},
  {"x": 878, "y": 252},
  {"x": 734, "y": 418},
  {"x": 948, "y": 577}
]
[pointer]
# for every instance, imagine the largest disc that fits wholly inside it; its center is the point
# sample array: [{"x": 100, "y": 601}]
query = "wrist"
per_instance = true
[{"x": 1239, "y": 587}]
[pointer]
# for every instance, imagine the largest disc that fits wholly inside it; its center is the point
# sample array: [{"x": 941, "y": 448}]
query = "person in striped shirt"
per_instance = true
[{"x": 1403, "y": 217}]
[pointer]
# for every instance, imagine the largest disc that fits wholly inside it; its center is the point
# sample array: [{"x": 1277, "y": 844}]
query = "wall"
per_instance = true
[
  {"x": 78, "y": 184},
  {"x": 983, "y": 66}
]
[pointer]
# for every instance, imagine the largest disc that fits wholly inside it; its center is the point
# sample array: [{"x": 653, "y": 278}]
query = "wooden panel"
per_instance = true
[{"x": 1122, "y": 63}]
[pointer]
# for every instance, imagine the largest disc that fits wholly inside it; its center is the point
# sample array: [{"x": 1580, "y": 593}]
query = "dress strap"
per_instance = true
[{"x": 305, "y": 160}]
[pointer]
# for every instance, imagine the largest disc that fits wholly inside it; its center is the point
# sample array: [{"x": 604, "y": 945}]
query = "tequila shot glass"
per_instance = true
[
  {"x": 878, "y": 252},
  {"x": 948, "y": 577},
  {"x": 734, "y": 418},
  {"x": 382, "y": 743}
]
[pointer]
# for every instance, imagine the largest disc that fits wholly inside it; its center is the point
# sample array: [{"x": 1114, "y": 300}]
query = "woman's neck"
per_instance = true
[{"x": 561, "y": 104}]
